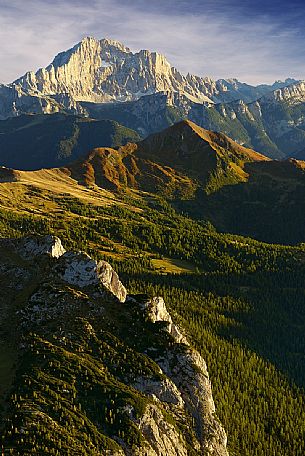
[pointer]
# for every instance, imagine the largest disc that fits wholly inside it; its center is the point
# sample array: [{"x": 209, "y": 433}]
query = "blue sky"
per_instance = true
[{"x": 255, "y": 41}]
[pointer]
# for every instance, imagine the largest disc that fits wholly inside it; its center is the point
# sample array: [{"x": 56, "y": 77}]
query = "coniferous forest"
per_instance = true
[
  {"x": 240, "y": 301},
  {"x": 152, "y": 241}
]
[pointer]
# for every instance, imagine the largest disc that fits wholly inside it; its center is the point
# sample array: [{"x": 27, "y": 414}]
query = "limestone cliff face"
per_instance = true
[
  {"x": 74, "y": 268},
  {"x": 126, "y": 346},
  {"x": 294, "y": 93},
  {"x": 188, "y": 371},
  {"x": 79, "y": 269},
  {"x": 156, "y": 311},
  {"x": 105, "y": 70},
  {"x": 32, "y": 247},
  {"x": 95, "y": 76},
  {"x": 14, "y": 101},
  {"x": 272, "y": 124}
]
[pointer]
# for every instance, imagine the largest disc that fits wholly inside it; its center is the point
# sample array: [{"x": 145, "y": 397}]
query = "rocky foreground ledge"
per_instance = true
[{"x": 73, "y": 308}]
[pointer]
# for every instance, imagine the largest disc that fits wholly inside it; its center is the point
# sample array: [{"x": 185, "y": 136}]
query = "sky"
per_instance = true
[{"x": 253, "y": 41}]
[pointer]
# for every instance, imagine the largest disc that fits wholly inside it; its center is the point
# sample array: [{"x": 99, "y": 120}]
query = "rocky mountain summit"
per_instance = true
[
  {"x": 106, "y": 70},
  {"x": 101, "y": 71},
  {"x": 97, "y": 371},
  {"x": 104, "y": 79}
]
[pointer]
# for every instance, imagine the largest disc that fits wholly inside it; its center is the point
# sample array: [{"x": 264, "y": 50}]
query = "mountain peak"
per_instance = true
[
  {"x": 105, "y": 70},
  {"x": 187, "y": 134},
  {"x": 86, "y": 39},
  {"x": 292, "y": 93},
  {"x": 90, "y": 50},
  {"x": 187, "y": 129},
  {"x": 114, "y": 43}
]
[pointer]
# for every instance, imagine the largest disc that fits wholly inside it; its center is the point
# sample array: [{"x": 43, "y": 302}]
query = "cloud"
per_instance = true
[{"x": 219, "y": 40}]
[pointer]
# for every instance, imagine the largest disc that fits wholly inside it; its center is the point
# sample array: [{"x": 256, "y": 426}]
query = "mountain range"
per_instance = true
[
  {"x": 100, "y": 76},
  {"x": 202, "y": 173},
  {"x": 106, "y": 70},
  {"x": 151, "y": 238},
  {"x": 80, "y": 368}
]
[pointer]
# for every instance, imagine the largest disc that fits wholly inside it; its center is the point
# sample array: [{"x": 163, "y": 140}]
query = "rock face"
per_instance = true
[
  {"x": 156, "y": 311},
  {"x": 294, "y": 93},
  {"x": 126, "y": 370},
  {"x": 74, "y": 268},
  {"x": 164, "y": 390},
  {"x": 105, "y": 70},
  {"x": 79, "y": 269},
  {"x": 188, "y": 371},
  {"x": 274, "y": 124},
  {"x": 95, "y": 73},
  {"x": 36, "y": 246},
  {"x": 15, "y": 101},
  {"x": 162, "y": 436}
]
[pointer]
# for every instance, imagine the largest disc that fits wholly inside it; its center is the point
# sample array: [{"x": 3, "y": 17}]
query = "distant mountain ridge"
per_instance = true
[
  {"x": 273, "y": 124},
  {"x": 106, "y": 80},
  {"x": 106, "y": 70}
]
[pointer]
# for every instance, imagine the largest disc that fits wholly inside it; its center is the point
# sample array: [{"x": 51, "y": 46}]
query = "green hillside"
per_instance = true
[
  {"x": 210, "y": 177},
  {"x": 241, "y": 301},
  {"x": 44, "y": 141}
]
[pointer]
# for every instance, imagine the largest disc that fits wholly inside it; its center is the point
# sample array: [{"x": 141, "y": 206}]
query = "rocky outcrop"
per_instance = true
[
  {"x": 293, "y": 94},
  {"x": 74, "y": 268},
  {"x": 156, "y": 311},
  {"x": 60, "y": 307},
  {"x": 36, "y": 246},
  {"x": 81, "y": 270},
  {"x": 188, "y": 371},
  {"x": 164, "y": 390},
  {"x": 8, "y": 175},
  {"x": 162, "y": 436},
  {"x": 186, "y": 368}
]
